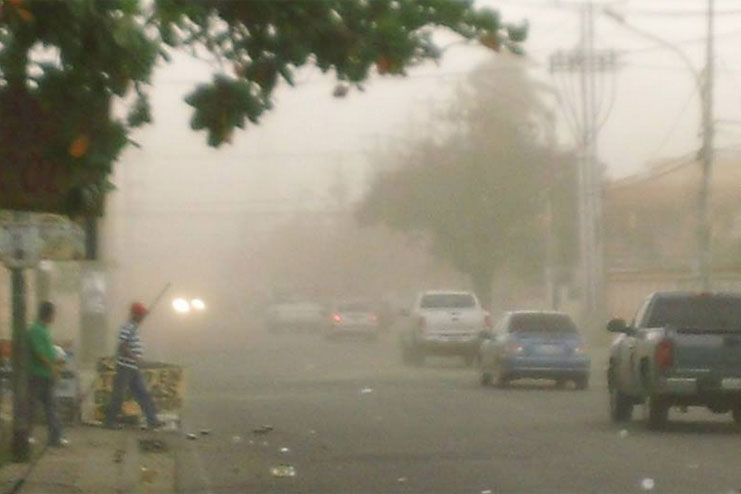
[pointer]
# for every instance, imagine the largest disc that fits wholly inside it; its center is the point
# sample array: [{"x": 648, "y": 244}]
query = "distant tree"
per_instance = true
[
  {"x": 65, "y": 64},
  {"x": 481, "y": 194}
]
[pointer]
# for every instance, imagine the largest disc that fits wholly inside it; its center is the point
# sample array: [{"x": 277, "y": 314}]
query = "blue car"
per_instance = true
[{"x": 534, "y": 345}]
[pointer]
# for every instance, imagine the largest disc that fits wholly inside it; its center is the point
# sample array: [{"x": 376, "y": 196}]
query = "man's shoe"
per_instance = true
[{"x": 62, "y": 443}]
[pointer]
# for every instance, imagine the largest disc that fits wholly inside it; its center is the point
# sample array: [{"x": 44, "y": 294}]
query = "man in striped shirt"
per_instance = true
[{"x": 128, "y": 356}]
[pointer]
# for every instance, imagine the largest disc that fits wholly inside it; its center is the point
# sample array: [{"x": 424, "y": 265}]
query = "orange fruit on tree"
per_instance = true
[{"x": 79, "y": 146}]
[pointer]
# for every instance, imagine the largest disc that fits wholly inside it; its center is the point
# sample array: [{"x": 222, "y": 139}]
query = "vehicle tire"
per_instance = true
[
  {"x": 736, "y": 413},
  {"x": 658, "y": 412},
  {"x": 501, "y": 380},
  {"x": 621, "y": 406},
  {"x": 485, "y": 378},
  {"x": 581, "y": 383}
]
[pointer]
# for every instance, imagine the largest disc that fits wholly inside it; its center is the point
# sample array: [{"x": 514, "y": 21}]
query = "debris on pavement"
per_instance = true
[
  {"x": 205, "y": 432},
  {"x": 647, "y": 484},
  {"x": 118, "y": 455},
  {"x": 487, "y": 491},
  {"x": 152, "y": 445},
  {"x": 285, "y": 450},
  {"x": 623, "y": 433},
  {"x": 366, "y": 391},
  {"x": 263, "y": 429},
  {"x": 312, "y": 432},
  {"x": 148, "y": 475},
  {"x": 401, "y": 480},
  {"x": 283, "y": 471},
  {"x": 192, "y": 436},
  {"x": 31, "y": 440},
  {"x": 236, "y": 439}
]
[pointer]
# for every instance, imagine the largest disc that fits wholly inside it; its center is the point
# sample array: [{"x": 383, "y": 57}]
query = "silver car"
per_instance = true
[{"x": 354, "y": 318}]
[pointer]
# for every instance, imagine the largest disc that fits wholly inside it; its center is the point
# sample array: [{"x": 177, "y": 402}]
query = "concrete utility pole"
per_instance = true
[
  {"x": 704, "y": 213},
  {"x": 588, "y": 63}
]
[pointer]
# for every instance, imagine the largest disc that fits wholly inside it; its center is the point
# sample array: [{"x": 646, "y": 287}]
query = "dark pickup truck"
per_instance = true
[{"x": 683, "y": 349}]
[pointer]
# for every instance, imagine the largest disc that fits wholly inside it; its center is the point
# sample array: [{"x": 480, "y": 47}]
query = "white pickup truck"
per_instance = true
[{"x": 443, "y": 323}]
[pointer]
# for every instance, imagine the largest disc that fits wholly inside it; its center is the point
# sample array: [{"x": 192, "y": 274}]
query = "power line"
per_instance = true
[{"x": 675, "y": 123}]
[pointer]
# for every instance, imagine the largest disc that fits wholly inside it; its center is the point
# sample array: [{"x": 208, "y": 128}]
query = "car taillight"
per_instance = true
[
  {"x": 487, "y": 321},
  {"x": 664, "y": 354},
  {"x": 513, "y": 348},
  {"x": 336, "y": 318}
]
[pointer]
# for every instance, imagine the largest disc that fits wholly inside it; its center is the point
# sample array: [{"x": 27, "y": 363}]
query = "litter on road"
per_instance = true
[
  {"x": 401, "y": 480},
  {"x": 237, "y": 439},
  {"x": 192, "y": 436},
  {"x": 366, "y": 391},
  {"x": 285, "y": 450},
  {"x": 205, "y": 432},
  {"x": 647, "y": 484},
  {"x": 623, "y": 434},
  {"x": 263, "y": 429},
  {"x": 283, "y": 471}
]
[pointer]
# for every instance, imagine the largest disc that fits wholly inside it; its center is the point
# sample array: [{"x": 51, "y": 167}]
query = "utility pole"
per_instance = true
[
  {"x": 21, "y": 421},
  {"x": 588, "y": 62},
  {"x": 704, "y": 213}
]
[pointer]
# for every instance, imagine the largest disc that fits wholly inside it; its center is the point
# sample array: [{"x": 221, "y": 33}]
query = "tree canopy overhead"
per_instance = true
[
  {"x": 481, "y": 195},
  {"x": 64, "y": 63}
]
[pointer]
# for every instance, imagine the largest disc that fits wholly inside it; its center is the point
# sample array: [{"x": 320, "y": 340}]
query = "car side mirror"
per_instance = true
[{"x": 618, "y": 326}]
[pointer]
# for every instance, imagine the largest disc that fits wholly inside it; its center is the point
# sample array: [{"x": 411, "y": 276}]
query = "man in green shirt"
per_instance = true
[{"x": 42, "y": 373}]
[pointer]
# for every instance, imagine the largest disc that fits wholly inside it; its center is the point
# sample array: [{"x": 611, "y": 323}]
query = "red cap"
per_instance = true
[{"x": 138, "y": 309}]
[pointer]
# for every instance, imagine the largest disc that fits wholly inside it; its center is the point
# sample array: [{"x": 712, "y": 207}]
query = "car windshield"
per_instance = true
[
  {"x": 716, "y": 313},
  {"x": 448, "y": 301},
  {"x": 541, "y": 323}
]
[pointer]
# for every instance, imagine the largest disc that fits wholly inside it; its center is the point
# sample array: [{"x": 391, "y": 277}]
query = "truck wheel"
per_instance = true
[
  {"x": 485, "y": 378},
  {"x": 658, "y": 412},
  {"x": 581, "y": 383},
  {"x": 736, "y": 412},
  {"x": 621, "y": 407},
  {"x": 501, "y": 380}
]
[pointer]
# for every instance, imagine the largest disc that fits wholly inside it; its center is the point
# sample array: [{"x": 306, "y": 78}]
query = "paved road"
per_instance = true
[{"x": 355, "y": 421}]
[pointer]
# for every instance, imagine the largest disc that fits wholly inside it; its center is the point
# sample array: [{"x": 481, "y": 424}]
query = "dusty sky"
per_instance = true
[{"x": 293, "y": 156}]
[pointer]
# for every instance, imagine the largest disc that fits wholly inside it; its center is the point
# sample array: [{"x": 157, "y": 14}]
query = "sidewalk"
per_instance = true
[{"x": 100, "y": 461}]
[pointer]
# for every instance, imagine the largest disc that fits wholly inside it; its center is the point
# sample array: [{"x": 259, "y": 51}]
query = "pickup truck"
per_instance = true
[
  {"x": 443, "y": 323},
  {"x": 683, "y": 349}
]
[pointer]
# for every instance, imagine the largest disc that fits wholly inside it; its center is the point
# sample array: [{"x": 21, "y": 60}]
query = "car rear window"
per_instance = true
[
  {"x": 714, "y": 313},
  {"x": 541, "y": 323},
  {"x": 448, "y": 301}
]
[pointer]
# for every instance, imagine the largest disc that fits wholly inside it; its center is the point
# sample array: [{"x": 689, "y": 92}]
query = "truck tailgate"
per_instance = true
[
  {"x": 453, "y": 321},
  {"x": 716, "y": 352}
]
